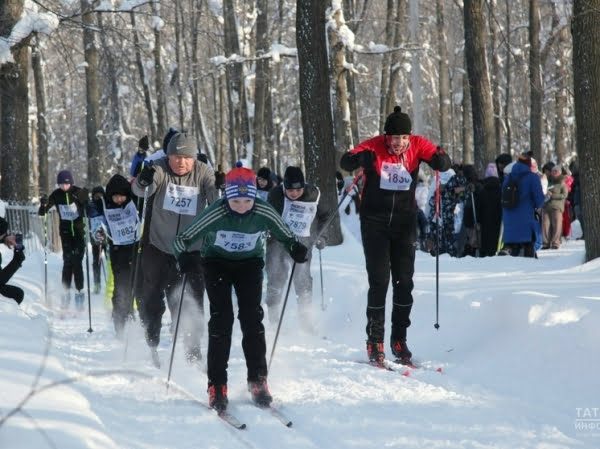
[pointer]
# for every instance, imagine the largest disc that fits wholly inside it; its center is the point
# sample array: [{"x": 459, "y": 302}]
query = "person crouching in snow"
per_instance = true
[
  {"x": 70, "y": 202},
  {"x": 232, "y": 256}
]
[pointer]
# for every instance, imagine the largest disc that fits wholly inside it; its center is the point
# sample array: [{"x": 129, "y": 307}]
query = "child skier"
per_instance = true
[
  {"x": 232, "y": 256},
  {"x": 70, "y": 201}
]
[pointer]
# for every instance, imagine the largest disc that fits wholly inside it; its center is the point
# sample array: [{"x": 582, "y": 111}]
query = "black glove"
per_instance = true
[
  {"x": 19, "y": 256},
  {"x": 146, "y": 176},
  {"x": 366, "y": 158},
  {"x": 186, "y": 263},
  {"x": 440, "y": 160},
  {"x": 299, "y": 252},
  {"x": 220, "y": 180},
  {"x": 44, "y": 200},
  {"x": 321, "y": 243},
  {"x": 83, "y": 195}
]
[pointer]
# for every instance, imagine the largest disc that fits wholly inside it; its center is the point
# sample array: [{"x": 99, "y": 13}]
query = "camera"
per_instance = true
[{"x": 19, "y": 241}]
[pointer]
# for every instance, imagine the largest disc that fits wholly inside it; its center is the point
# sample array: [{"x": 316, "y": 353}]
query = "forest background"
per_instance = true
[{"x": 281, "y": 82}]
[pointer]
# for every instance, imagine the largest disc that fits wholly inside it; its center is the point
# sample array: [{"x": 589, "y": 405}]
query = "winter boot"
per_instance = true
[
  {"x": 375, "y": 352},
  {"x": 401, "y": 351},
  {"x": 79, "y": 300},
  {"x": 259, "y": 391},
  {"x": 217, "y": 397}
]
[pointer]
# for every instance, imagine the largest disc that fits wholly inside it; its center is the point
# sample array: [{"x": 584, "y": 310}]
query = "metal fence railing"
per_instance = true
[{"x": 37, "y": 231}]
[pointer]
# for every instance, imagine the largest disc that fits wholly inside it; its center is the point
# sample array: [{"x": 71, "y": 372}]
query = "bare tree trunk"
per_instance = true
[
  {"x": 315, "y": 105},
  {"x": 395, "y": 69},
  {"x": 535, "y": 81},
  {"x": 180, "y": 29},
  {"x": 92, "y": 90},
  {"x": 261, "y": 82},
  {"x": 508, "y": 79},
  {"x": 496, "y": 76},
  {"x": 341, "y": 110},
  {"x": 114, "y": 111},
  {"x": 144, "y": 79},
  {"x": 384, "y": 77},
  {"x": 239, "y": 133},
  {"x": 445, "y": 94},
  {"x": 42, "y": 131},
  {"x": 14, "y": 119},
  {"x": 161, "y": 105},
  {"x": 560, "y": 124},
  {"x": 467, "y": 128},
  {"x": 586, "y": 71},
  {"x": 481, "y": 98}
]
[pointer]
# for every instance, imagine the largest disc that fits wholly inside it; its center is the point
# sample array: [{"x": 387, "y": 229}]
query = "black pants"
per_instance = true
[
  {"x": 10, "y": 291},
  {"x": 278, "y": 263},
  {"x": 160, "y": 275},
  {"x": 389, "y": 250},
  {"x": 120, "y": 261},
  {"x": 73, "y": 247},
  {"x": 246, "y": 278},
  {"x": 96, "y": 261}
]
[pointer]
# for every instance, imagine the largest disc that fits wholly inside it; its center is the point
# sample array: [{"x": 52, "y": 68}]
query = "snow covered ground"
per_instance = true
[{"x": 517, "y": 344}]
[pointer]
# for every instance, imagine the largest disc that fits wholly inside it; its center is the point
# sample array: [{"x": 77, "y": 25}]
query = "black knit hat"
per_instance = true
[
  {"x": 144, "y": 143},
  {"x": 397, "y": 123},
  {"x": 263, "y": 173},
  {"x": 293, "y": 178}
]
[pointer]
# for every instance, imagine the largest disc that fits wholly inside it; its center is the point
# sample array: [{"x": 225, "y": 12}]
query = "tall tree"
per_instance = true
[
  {"x": 161, "y": 102},
  {"x": 315, "y": 104},
  {"x": 42, "y": 129},
  {"x": 481, "y": 98},
  {"x": 261, "y": 82},
  {"x": 92, "y": 89},
  {"x": 14, "y": 102},
  {"x": 586, "y": 72},
  {"x": 535, "y": 81},
  {"x": 444, "y": 80}
]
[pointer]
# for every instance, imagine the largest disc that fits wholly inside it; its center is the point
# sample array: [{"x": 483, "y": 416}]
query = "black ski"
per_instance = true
[
  {"x": 276, "y": 413},
  {"x": 231, "y": 419}
]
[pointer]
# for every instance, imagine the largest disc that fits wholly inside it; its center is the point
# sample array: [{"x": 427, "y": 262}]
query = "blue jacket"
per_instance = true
[{"x": 520, "y": 223}]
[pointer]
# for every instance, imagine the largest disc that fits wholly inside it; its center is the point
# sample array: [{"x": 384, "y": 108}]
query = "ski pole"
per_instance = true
[
  {"x": 183, "y": 283},
  {"x": 335, "y": 211},
  {"x": 46, "y": 258},
  {"x": 87, "y": 266},
  {"x": 287, "y": 294},
  {"x": 437, "y": 249},
  {"x": 321, "y": 275}
]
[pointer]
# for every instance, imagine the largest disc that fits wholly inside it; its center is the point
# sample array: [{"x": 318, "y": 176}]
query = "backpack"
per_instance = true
[{"x": 510, "y": 192}]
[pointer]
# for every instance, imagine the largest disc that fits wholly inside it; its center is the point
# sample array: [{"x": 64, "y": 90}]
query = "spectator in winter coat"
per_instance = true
[
  {"x": 441, "y": 234},
  {"x": 489, "y": 211},
  {"x": 298, "y": 205},
  {"x": 70, "y": 201},
  {"x": 232, "y": 256},
  {"x": 520, "y": 224},
  {"x": 179, "y": 188},
  {"x": 502, "y": 161},
  {"x": 10, "y": 291},
  {"x": 122, "y": 226},
  {"x": 553, "y": 209},
  {"x": 388, "y": 224}
]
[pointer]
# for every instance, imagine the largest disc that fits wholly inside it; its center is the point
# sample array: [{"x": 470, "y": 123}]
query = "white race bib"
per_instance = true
[
  {"x": 96, "y": 222},
  {"x": 123, "y": 224},
  {"x": 394, "y": 177},
  {"x": 182, "y": 200},
  {"x": 299, "y": 215},
  {"x": 68, "y": 212},
  {"x": 262, "y": 194},
  {"x": 236, "y": 242}
]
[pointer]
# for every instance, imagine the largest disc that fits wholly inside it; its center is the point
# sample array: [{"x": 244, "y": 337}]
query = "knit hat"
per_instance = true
[
  {"x": 64, "y": 177},
  {"x": 504, "y": 159},
  {"x": 263, "y": 173},
  {"x": 397, "y": 123},
  {"x": 491, "y": 171},
  {"x": 144, "y": 144},
  {"x": 240, "y": 182},
  {"x": 524, "y": 158},
  {"x": 293, "y": 178},
  {"x": 182, "y": 145},
  {"x": 170, "y": 133}
]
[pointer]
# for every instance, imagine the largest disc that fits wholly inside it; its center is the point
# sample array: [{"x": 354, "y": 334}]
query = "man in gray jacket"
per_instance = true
[{"x": 179, "y": 187}]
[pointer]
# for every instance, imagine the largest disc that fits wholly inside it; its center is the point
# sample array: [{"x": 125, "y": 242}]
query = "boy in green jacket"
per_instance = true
[{"x": 233, "y": 229}]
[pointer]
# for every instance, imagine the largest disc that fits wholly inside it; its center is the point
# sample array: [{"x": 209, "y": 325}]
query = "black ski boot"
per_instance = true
[
  {"x": 401, "y": 351},
  {"x": 217, "y": 397},
  {"x": 260, "y": 392},
  {"x": 375, "y": 352}
]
